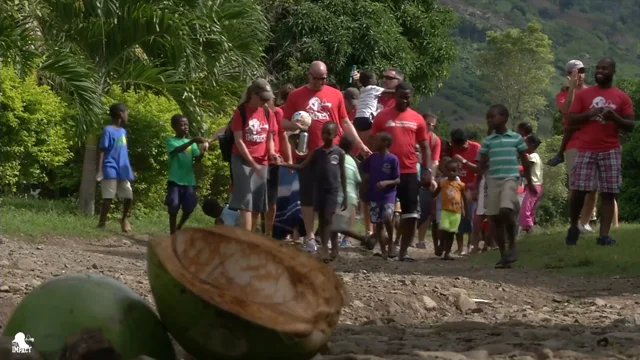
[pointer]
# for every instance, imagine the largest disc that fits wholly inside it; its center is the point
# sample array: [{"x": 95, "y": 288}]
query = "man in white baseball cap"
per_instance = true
[{"x": 575, "y": 72}]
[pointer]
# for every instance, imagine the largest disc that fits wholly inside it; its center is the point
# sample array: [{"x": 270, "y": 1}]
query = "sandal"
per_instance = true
[{"x": 406, "y": 258}]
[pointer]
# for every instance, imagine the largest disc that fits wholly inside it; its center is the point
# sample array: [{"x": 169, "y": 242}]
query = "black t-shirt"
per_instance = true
[{"x": 326, "y": 169}]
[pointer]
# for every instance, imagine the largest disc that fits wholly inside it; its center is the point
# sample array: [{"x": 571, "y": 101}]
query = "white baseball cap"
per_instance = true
[{"x": 574, "y": 65}]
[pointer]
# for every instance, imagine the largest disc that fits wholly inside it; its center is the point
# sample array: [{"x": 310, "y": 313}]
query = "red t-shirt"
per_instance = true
[
  {"x": 434, "y": 145},
  {"x": 324, "y": 105},
  {"x": 596, "y": 135},
  {"x": 387, "y": 100},
  {"x": 407, "y": 128},
  {"x": 278, "y": 129},
  {"x": 255, "y": 132},
  {"x": 470, "y": 153},
  {"x": 561, "y": 97}
]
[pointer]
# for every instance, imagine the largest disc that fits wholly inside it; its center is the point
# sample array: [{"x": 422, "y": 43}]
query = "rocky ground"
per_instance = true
[{"x": 429, "y": 309}]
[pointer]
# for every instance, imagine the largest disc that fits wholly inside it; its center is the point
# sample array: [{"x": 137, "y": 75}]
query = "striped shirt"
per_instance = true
[{"x": 502, "y": 151}]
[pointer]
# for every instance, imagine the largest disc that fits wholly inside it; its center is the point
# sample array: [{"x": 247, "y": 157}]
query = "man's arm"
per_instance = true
[
  {"x": 350, "y": 130},
  {"x": 426, "y": 157},
  {"x": 285, "y": 147}
]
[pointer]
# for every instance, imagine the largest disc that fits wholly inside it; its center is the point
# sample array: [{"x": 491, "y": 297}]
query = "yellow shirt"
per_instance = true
[{"x": 451, "y": 193}]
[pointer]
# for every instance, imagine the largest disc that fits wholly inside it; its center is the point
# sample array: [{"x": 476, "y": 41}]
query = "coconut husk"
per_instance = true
[{"x": 254, "y": 277}]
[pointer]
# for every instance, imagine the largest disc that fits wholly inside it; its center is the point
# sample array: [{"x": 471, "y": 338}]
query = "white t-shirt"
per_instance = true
[
  {"x": 536, "y": 168},
  {"x": 368, "y": 103}
]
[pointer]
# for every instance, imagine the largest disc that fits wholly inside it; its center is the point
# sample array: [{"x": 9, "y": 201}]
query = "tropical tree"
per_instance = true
[
  {"x": 412, "y": 35},
  {"x": 201, "y": 53},
  {"x": 516, "y": 67}
]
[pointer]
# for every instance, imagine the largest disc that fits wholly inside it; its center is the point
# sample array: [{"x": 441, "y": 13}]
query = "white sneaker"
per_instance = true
[
  {"x": 585, "y": 227},
  {"x": 310, "y": 245}
]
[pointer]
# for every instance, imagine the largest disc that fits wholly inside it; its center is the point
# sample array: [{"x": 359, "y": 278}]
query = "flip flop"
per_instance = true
[{"x": 407, "y": 259}]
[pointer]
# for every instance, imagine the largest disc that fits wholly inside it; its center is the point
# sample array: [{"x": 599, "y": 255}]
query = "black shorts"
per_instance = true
[
  {"x": 306, "y": 180},
  {"x": 180, "y": 197},
  {"x": 425, "y": 204},
  {"x": 327, "y": 201},
  {"x": 362, "y": 123},
  {"x": 273, "y": 181},
  {"x": 408, "y": 192}
]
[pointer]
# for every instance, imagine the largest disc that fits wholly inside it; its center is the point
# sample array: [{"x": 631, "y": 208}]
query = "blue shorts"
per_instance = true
[
  {"x": 466, "y": 223},
  {"x": 380, "y": 211},
  {"x": 180, "y": 196}
]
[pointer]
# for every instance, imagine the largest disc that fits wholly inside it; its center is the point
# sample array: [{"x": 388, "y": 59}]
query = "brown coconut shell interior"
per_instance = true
[{"x": 252, "y": 276}]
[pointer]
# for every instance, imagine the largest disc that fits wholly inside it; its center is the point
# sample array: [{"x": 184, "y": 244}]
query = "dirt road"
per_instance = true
[{"x": 429, "y": 309}]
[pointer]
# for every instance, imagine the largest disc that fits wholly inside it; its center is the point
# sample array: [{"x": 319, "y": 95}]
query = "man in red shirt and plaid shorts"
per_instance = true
[{"x": 599, "y": 112}]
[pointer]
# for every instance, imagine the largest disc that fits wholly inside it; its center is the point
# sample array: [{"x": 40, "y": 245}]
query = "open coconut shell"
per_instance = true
[{"x": 260, "y": 291}]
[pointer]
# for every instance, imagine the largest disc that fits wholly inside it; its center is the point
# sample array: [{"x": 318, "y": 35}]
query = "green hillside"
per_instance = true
[{"x": 582, "y": 29}]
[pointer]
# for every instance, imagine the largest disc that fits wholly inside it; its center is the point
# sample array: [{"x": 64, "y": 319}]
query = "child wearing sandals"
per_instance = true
[
  {"x": 382, "y": 169},
  {"x": 454, "y": 204}
]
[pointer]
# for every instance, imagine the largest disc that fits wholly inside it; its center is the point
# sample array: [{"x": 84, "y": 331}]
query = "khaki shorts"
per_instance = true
[
  {"x": 112, "y": 187},
  {"x": 501, "y": 194},
  {"x": 570, "y": 162}
]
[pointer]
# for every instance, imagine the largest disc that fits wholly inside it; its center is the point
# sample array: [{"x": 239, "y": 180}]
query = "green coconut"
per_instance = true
[
  {"x": 66, "y": 307},
  {"x": 227, "y": 293}
]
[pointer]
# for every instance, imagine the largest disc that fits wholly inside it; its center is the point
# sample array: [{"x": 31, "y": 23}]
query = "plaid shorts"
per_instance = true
[{"x": 599, "y": 171}]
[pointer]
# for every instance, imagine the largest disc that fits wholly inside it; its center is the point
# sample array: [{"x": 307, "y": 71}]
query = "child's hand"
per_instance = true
[
  {"x": 99, "y": 176},
  {"x": 381, "y": 185},
  {"x": 204, "y": 146},
  {"x": 344, "y": 204}
]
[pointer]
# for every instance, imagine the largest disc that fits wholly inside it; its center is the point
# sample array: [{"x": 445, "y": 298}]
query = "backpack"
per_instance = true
[{"x": 227, "y": 140}]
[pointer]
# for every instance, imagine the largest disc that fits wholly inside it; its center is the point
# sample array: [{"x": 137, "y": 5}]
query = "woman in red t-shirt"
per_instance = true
[{"x": 251, "y": 152}]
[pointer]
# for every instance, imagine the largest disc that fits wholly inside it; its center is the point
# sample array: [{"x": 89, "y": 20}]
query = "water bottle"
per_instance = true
[{"x": 303, "y": 138}]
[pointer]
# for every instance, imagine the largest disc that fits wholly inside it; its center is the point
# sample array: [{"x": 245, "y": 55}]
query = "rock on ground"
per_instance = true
[{"x": 429, "y": 309}]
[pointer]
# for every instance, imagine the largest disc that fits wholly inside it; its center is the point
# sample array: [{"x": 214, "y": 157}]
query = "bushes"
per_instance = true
[
  {"x": 33, "y": 124},
  {"x": 37, "y": 148},
  {"x": 148, "y": 127}
]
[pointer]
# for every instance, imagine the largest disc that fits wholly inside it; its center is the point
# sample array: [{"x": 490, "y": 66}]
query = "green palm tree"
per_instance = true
[{"x": 201, "y": 53}]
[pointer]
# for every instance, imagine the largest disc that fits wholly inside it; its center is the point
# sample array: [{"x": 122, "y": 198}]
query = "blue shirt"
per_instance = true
[{"x": 115, "y": 165}]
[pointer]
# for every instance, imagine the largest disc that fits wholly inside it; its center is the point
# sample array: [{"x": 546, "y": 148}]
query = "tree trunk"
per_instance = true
[{"x": 89, "y": 172}]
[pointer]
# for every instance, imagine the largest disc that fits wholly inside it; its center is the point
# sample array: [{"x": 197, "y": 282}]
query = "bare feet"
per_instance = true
[{"x": 124, "y": 224}]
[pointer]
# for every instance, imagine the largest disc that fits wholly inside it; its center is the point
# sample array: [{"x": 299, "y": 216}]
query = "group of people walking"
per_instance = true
[{"x": 369, "y": 151}]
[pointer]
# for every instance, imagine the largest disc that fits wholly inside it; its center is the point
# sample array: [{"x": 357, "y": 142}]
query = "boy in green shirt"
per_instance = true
[{"x": 181, "y": 185}]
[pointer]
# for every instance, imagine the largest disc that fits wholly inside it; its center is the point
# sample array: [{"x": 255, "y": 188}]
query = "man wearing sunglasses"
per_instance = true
[
  {"x": 575, "y": 72},
  {"x": 323, "y": 103},
  {"x": 390, "y": 79}
]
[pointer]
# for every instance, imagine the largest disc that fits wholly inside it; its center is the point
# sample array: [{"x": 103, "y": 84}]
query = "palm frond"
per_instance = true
[{"x": 77, "y": 78}]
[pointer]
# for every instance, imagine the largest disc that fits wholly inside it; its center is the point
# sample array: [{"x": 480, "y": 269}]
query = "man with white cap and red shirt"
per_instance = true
[{"x": 575, "y": 72}]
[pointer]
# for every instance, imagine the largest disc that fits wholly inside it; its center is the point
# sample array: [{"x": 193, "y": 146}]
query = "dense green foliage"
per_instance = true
[
  {"x": 33, "y": 129},
  {"x": 371, "y": 34},
  {"x": 508, "y": 57}
]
